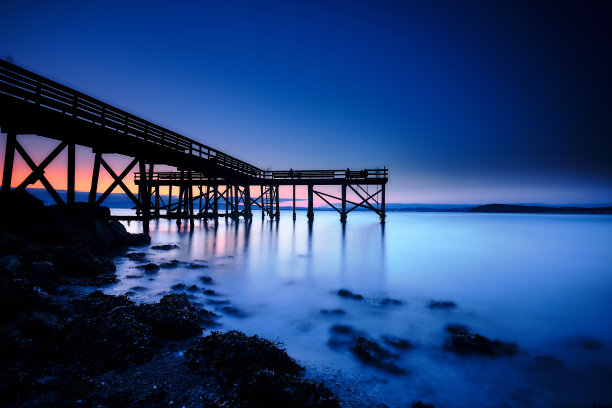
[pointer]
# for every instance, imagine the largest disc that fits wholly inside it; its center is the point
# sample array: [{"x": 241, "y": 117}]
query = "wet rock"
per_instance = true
[
  {"x": 218, "y": 302},
  {"x": 173, "y": 317},
  {"x": 350, "y": 295},
  {"x": 389, "y": 301},
  {"x": 77, "y": 261},
  {"x": 135, "y": 256},
  {"x": 371, "y": 353},
  {"x": 164, "y": 247},
  {"x": 107, "y": 334},
  {"x": 207, "y": 317},
  {"x": 341, "y": 329},
  {"x": 149, "y": 268},
  {"x": 17, "y": 296},
  {"x": 137, "y": 288},
  {"x": 549, "y": 361},
  {"x": 206, "y": 279},
  {"x": 233, "y": 311},
  {"x": 40, "y": 326},
  {"x": 178, "y": 286},
  {"x": 194, "y": 265},
  {"x": 234, "y": 357},
  {"x": 462, "y": 341},
  {"x": 124, "y": 238},
  {"x": 193, "y": 288},
  {"x": 343, "y": 336},
  {"x": 400, "y": 344},
  {"x": 267, "y": 388},
  {"x": 10, "y": 266},
  {"x": 333, "y": 311},
  {"x": 172, "y": 264},
  {"x": 441, "y": 304},
  {"x": 419, "y": 404},
  {"x": 133, "y": 276},
  {"x": 210, "y": 292}
]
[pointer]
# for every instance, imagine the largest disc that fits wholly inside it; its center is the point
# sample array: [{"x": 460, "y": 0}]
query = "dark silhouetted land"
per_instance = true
[{"x": 511, "y": 208}]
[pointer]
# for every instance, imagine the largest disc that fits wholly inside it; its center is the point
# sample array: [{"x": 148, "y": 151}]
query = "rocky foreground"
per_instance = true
[{"x": 64, "y": 345}]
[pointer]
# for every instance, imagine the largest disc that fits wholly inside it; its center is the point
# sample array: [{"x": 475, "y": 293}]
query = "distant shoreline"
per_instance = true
[{"x": 535, "y": 209}]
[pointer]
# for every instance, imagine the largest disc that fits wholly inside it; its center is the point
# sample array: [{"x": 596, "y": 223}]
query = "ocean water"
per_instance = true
[{"x": 541, "y": 281}]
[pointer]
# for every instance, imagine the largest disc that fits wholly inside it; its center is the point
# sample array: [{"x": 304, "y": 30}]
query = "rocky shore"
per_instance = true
[{"x": 64, "y": 343}]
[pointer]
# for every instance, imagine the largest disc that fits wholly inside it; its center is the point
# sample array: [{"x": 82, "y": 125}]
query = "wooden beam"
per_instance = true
[
  {"x": 71, "y": 173},
  {"x": 40, "y": 176},
  {"x": 93, "y": 191},
  {"x": 118, "y": 181},
  {"x": 9, "y": 158}
]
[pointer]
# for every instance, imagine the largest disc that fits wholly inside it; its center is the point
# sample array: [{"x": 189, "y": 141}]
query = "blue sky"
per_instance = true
[{"x": 465, "y": 103}]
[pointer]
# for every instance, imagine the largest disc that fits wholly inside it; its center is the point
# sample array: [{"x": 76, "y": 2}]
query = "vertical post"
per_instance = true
[
  {"x": 179, "y": 204},
  {"x": 207, "y": 201},
  {"x": 227, "y": 196},
  {"x": 263, "y": 207},
  {"x": 277, "y": 205},
  {"x": 247, "y": 202},
  {"x": 200, "y": 200},
  {"x": 310, "y": 214},
  {"x": 216, "y": 201},
  {"x": 93, "y": 191},
  {"x": 190, "y": 198},
  {"x": 71, "y": 173},
  {"x": 9, "y": 158},
  {"x": 157, "y": 200},
  {"x": 383, "y": 215},
  {"x": 271, "y": 201},
  {"x": 144, "y": 196},
  {"x": 294, "y": 217},
  {"x": 236, "y": 200},
  {"x": 343, "y": 212},
  {"x": 169, "y": 198}
]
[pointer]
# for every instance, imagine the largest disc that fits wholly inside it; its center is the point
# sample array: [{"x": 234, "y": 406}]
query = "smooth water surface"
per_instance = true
[{"x": 542, "y": 281}]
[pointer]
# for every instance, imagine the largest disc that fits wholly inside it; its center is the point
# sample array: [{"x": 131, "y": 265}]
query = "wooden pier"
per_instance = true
[{"x": 205, "y": 178}]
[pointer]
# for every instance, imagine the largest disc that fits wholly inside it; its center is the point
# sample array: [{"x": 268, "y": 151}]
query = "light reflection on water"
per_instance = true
[{"x": 543, "y": 281}]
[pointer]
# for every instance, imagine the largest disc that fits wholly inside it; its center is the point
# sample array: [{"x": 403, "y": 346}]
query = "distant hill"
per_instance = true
[{"x": 512, "y": 208}]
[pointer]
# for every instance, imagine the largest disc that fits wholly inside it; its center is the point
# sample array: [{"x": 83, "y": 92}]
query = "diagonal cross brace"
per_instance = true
[
  {"x": 118, "y": 181},
  {"x": 38, "y": 171}
]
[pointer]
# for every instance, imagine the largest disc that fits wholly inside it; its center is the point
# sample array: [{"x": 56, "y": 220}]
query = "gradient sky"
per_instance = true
[{"x": 465, "y": 102}]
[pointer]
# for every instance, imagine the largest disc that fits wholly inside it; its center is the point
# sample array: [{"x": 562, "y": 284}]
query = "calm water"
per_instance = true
[{"x": 542, "y": 281}]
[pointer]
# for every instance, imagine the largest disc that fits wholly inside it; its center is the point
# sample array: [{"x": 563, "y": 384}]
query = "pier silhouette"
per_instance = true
[{"x": 205, "y": 178}]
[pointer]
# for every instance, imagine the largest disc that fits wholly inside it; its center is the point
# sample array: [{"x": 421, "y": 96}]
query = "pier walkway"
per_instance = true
[{"x": 32, "y": 104}]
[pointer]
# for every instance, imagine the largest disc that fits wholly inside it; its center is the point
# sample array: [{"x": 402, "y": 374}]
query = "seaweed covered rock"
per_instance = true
[
  {"x": 268, "y": 388},
  {"x": 441, "y": 304},
  {"x": 173, "y": 317},
  {"x": 234, "y": 357},
  {"x": 107, "y": 334},
  {"x": 350, "y": 295},
  {"x": 461, "y": 341},
  {"x": 78, "y": 261}
]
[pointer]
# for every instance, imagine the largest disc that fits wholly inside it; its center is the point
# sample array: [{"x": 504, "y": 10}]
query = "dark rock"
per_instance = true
[
  {"x": 333, "y": 311},
  {"x": 172, "y": 317},
  {"x": 149, "y": 268},
  {"x": 196, "y": 266},
  {"x": 444, "y": 304},
  {"x": 210, "y": 292},
  {"x": 371, "y": 353},
  {"x": 348, "y": 294},
  {"x": 231, "y": 310},
  {"x": 137, "y": 288},
  {"x": 77, "y": 261},
  {"x": 124, "y": 238},
  {"x": 133, "y": 276},
  {"x": 549, "y": 361},
  {"x": 389, "y": 301},
  {"x": 172, "y": 264},
  {"x": 341, "y": 329},
  {"x": 10, "y": 266},
  {"x": 462, "y": 341},
  {"x": 193, "y": 288},
  {"x": 206, "y": 279},
  {"x": 419, "y": 404},
  {"x": 218, "y": 302},
  {"x": 165, "y": 247},
  {"x": 178, "y": 286},
  {"x": 234, "y": 357},
  {"x": 400, "y": 344},
  {"x": 207, "y": 317},
  {"x": 40, "y": 326},
  {"x": 17, "y": 296},
  {"x": 135, "y": 256},
  {"x": 455, "y": 328},
  {"x": 107, "y": 334}
]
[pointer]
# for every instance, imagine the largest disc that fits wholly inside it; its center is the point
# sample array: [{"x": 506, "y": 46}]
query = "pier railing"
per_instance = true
[{"x": 45, "y": 94}]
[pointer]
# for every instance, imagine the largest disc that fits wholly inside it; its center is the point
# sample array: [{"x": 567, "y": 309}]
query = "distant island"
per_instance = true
[{"x": 512, "y": 208}]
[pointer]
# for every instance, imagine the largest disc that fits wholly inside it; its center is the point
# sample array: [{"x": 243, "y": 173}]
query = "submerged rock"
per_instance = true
[
  {"x": 210, "y": 292},
  {"x": 400, "y": 344},
  {"x": 389, "y": 301},
  {"x": 135, "y": 256},
  {"x": 149, "y": 268},
  {"x": 348, "y": 294},
  {"x": 206, "y": 279},
  {"x": 419, "y": 404},
  {"x": 233, "y": 311},
  {"x": 178, "y": 286},
  {"x": 371, "y": 353},
  {"x": 164, "y": 247},
  {"x": 462, "y": 341},
  {"x": 333, "y": 311},
  {"x": 441, "y": 304},
  {"x": 172, "y": 264}
]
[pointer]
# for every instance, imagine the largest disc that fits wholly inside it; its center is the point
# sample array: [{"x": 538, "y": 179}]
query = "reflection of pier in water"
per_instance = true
[{"x": 209, "y": 183}]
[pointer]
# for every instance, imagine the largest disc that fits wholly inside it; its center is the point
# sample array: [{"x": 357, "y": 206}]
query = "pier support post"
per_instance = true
[
  {"x": 310, "y": 214},
  {"x": 144, "y": 196},
  {"x": 383, "y": 214},
  {"x": 9, "y": 158},
  {"x": 169, "y": 209},
  {"x": 247, "y": 203},
  {"x": 216, "y": 202},
  {"x": 263, "y": 201},
  {"x": 71, "y": 173},
  {"x": 277, "y": 204},
  {"x": 343, "y": 212},
  {"x": 190, "y": 198},
  {"x": 294, "y": 203},
  {"x": 93, "y": 191}
]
